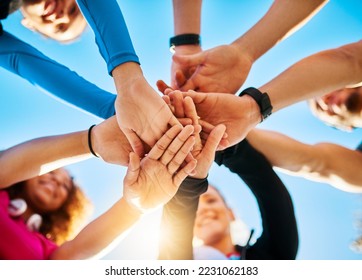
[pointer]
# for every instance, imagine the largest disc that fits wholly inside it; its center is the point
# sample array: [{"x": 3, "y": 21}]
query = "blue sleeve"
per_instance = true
[
  {"x": 110, "y": 29},
  {"x": 27, "y": 62}
]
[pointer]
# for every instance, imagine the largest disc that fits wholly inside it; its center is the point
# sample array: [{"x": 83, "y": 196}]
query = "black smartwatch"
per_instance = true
[
  {"x": 262, "y": 99},
  {"x": 184, "y": 39}
]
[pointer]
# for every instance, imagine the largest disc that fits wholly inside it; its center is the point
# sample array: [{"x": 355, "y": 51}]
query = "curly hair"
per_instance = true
[{"x": 62, "y": 224}]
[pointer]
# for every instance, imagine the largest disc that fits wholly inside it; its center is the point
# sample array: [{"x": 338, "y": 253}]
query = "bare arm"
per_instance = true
[
  {"x": 316, "y": 75},
  {"x": 39, "y": 156},
  {"x": 323, "y": 162},
  {"x": 282, "y": 19},
  {"x": 226, "y": 67}
]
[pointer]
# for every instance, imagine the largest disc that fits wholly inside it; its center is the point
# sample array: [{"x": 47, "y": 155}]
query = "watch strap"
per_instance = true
[{"x": 262, "y": 99}]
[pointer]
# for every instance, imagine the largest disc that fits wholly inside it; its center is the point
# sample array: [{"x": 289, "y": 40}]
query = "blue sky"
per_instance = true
[{"x": 325, "y": 215}]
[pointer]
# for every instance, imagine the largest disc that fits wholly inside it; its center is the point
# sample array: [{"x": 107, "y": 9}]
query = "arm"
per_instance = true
[
  {"x": 149, "y": 183},
  {"x": 310, "y": 77},
  {"x": 179, "y": 213},
  {"x": 316, "y": 75},
  {"x": 140, "y": 118},
  {"x": 42, "y": 155},
  {"x": 279, "y": 239},
  {"x": 231, "y": 63},
  {"x": 324, "y": 162},
  {"x": 187, "y": 20},
  {"x": 27, "y": 62}
]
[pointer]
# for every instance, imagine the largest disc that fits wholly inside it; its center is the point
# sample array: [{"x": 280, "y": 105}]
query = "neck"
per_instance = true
[{"x": 224, "y": 245}]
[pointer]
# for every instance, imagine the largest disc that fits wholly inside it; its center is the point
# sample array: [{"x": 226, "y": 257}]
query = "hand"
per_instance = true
[
  {"x": 141, "y": 113},
  {"x": 180, "y": 73},
  {"x": 177, "y": 108},
  {"x": 110, "y": 143},
  {"x": 221, "y": 69},
  {"x": 204, "y": 153},
  {"x": 155, "y": 179},
  {"x": 238, "y": 114}
]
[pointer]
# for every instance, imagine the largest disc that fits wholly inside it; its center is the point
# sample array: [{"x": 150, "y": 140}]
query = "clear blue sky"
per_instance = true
[{"x": 325, "y": 215}]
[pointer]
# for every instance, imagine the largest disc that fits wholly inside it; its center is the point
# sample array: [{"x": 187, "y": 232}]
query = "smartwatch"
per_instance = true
[
  {"x": 262, "y": 99},
  {"x": 184, "y": 39}
]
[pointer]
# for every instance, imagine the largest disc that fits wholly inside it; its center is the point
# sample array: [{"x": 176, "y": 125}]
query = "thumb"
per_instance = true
[
  {"x": 134, "y": 141},
  {"x": 133, "y": 170},
  {"x": 213, "y": 141},
  {"x": 189, "y": 60}
]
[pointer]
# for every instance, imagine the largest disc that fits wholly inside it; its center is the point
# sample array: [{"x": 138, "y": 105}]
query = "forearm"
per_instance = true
[
  {"x": 178, "y": 220},
  {"x": 322, "y": 162},
  {"x": 279, "y": 239},
  {"x": 27, "y": 62},
  {"x": 106, "y": 20},
  {"x": 39, "y": 156},
  {"x": 100, "y": 233},
  {"x": 283, "y": 18},
  {"x": 316, "y": 75},
  {"x": 284, "y": 152},
  {"x": 187, "y": 16}
]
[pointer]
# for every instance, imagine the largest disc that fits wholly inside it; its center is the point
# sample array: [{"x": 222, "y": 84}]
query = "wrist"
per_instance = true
[
  {"x": 129, "y": 209},
  {"x": 245, "y": 49},
  {"x": 262, "y": 101},
  {"x": 187, "y": 49},
  {"x": 125, "y": 75}
]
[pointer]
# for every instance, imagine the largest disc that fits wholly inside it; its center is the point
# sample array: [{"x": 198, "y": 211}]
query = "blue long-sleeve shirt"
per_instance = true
[
  {"x": 111, "y": 32},
  {"x": 24, "y": 60}
]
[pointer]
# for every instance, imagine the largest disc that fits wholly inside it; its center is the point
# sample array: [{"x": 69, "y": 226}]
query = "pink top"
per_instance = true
[{"x": 16, "y": 241}]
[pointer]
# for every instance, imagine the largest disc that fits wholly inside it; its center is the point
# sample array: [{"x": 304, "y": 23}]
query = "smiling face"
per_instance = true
[
  {"x": 57, "y": 19},
  {"x": 340, "y": 108},
  {"x": 48, "y": 192},
  {"x": 213, "y": 218}
]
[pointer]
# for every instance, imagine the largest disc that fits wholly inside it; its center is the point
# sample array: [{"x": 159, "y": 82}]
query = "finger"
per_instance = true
[
  {"x": 173, "y": 121},
  {"x": 213, "y": 141},
  {"x": 162, "y": 86},
  {"x": 176, "y": 144},
  {"x": 185, "y": 121},
  {"x": 197, "y": 97},
  {"x": 181, "y": 155},
  {"x": 224, "y": 143},
  {"x": 208, "y": 127},
  {"x": 167, "y": 100},
  {"x": 190, "y": 110},
  {"x": 133, "y": 170},
  {"x": 187, "y": 170},
  {"x": 162, "y": 144},
  {"x": 134, "y": 141},
  {"x": 177, "y": 102},
  {"x": 190, "y": 60},
  {"x": 180, "y": 78}
]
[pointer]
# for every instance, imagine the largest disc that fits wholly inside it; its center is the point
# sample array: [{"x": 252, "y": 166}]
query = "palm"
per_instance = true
[{"x": 154, "y": 183}]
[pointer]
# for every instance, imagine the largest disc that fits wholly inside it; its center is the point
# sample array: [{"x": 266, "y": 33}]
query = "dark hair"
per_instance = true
[
  {"x": 9, "y": 6},
  {"x": 60, "y": 225}
]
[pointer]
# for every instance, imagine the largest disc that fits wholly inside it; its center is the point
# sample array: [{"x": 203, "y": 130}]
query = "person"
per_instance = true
[
  {"x": 34, "y": 184},
  {"x": 60, "y": 20},
  {"x": 341, "y": 108},
  {"x": 225, "y": 68},
  {"x": 211, "y": 222}
]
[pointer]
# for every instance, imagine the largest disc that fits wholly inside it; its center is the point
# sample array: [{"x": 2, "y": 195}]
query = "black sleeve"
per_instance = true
[
  {"x": 279, "y": 239},
  {"x": 178, "y": 220}
]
